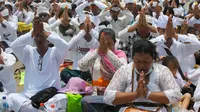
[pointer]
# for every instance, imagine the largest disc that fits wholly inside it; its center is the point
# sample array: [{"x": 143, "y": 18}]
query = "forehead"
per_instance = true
[{"x": 142, "y": 56}]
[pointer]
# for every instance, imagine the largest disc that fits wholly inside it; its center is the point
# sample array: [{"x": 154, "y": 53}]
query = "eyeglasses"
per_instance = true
[{"x": 40, "y": 60}]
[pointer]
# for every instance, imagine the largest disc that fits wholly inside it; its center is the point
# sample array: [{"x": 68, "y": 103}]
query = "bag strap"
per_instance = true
[
  {"x": 132, "y": 88},
  {"x": 179, "y": 69}
]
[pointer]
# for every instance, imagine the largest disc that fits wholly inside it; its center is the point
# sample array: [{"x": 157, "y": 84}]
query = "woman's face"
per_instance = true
[
  {"x": 110, "y": 42},
  {"x": 172, "y": 68},
  {"x": 143, "y": 62}
]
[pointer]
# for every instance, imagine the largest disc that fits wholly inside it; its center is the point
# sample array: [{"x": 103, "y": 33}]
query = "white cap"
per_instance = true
[
  {"x": 115, "y": 9},
  {"x": 78, "y": 2},
  {"x": 5, "y": 12},
  {"x": 148, "y": 19},
  {"x": 163, "y": 20},
  {"x": 83, "y": 18},
  {"x": 128, "y": 1},
  {"x": 195, "y": 3},
  {"x": 8, "y": 3},
  {"x": 42, "y": 9}
]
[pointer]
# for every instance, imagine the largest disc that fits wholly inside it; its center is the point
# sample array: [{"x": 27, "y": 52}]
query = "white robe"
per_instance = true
[{"x": 36, "y": 80}]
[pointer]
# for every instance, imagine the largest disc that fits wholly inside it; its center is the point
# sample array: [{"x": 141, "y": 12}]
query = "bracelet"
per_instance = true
[{"x": 148, "y": 94}]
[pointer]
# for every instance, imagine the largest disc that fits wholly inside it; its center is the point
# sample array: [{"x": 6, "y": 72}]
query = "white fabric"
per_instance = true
[
  {"x": 29, "y": 16},
  {"x": 148, "y": 19},
  {"x": 179, "y": 50},
  {"x": 121, "y": 22},
  {"x": 193, "y": 21},
  {"x": 163, "y": 20},
  {"x": 196, "y": 97},
  {"x": 36, "y": 80},
  {"x": 81, "y": 46},
  {"x": 5, "y": 12},
  {"x": 91, "y": 61},
  {"x": 6, "y": 74},
  {"x": 179, "y": 11},
  {"x": 9, "y": 33},
  {"x": 188, "y": 63},
  {"x": 42, "y": 9},
  {"x": 95, "y": 18},
  {"x": 128, "y": 1},
  {"x": 55, "y": 27},
  {"x": 161, "y": 80},
  {"x": 14, "y": 99}
]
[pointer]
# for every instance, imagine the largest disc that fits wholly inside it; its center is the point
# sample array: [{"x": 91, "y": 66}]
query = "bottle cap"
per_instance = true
[
  {"x": 4, "y": 97},
  {"x": 52, "y": 106},
  {"x": 41, "y": 104}
]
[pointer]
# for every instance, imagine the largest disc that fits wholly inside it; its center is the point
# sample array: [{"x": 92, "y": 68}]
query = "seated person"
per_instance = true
[
  {"x": 153, "y": 83},
  {"x": 42, "y": 65},
  {"x": 172, "y": 63},
  {"x": 7, "y": 61},
  {"x": 103, "y": 62}
]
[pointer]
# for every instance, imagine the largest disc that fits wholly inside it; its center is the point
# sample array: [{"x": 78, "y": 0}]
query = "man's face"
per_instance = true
[
  {"x": 130, "y": 7},
  {"x": 95, "y": 9},
  {"x": 40, "y": 41},
  {"x": 44, "y": 17},
  {"x": 143, "y": 62},
  {"x": 114, "y": 14}
]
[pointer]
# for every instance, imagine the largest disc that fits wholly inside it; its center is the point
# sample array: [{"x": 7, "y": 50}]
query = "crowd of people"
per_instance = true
[{"x": 139, "y": 54}]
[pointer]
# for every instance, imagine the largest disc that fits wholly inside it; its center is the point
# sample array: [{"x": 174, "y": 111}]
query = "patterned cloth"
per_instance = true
[{"x": 127, "y": 47}]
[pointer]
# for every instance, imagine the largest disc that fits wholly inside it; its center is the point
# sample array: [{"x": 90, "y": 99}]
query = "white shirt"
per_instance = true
[
  {"x": 100, "y": 5},
  {"x": 178, "y": 49},
  {"x": 7, "y": 72},
  {"x": 121, "y": 22},
  {"x": 25, "y": 16},
  {"x": 161, "y": 80},
  {"x": 55, "y": 27},
  {"x": 36, "y": 80},
  {"x": 8, "y": 33},
  {"x": 81, "y": 46}
]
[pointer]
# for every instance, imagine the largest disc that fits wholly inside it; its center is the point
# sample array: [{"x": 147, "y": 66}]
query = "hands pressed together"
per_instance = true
[
  {"x": 141, "y": 90},
  {"x": 169, "y": 31}
]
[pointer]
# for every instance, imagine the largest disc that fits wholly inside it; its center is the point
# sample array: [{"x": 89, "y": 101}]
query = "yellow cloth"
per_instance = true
[{"x": 24, "y": 27}]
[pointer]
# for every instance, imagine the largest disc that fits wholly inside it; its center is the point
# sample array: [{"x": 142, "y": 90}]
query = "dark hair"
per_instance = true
[
  {"x": 74, "y": 6},
  {"x": 172, "y": 59},
  {"x": 106, "y": 23},
  {"x": 108, "y": 31},
  {"x": 9, "y": 7},
  {"x": 177, "y": 2},
  {"x": 144, "y": 46},
  {"x": 170, "y": 9}
]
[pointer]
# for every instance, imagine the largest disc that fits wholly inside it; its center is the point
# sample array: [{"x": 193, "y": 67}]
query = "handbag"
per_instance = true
[
  {"x": 43, "y": 96},
  {"x": 131, "y": 107}
]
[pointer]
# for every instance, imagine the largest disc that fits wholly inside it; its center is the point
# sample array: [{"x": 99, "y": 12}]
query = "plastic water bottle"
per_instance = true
[
  {"x": 5, "y": 105},
  {"x": 42, "y": 108}
]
